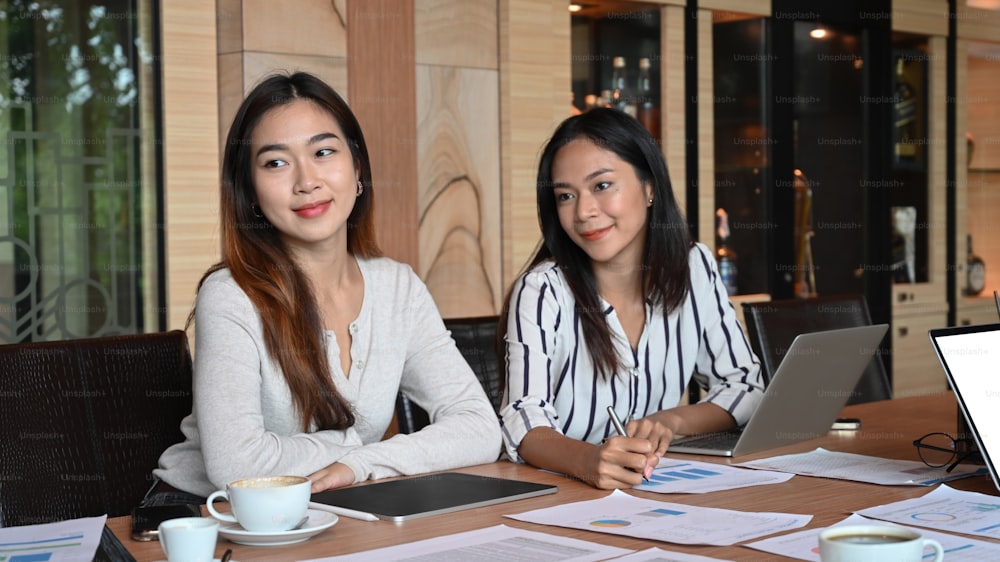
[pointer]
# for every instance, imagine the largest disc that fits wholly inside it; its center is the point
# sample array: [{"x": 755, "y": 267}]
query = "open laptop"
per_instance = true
[
  {"x": 814, "y": 381},
  {"x": 970, "y": 356}
]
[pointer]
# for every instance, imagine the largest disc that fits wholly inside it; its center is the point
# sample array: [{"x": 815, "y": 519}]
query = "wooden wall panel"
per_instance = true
[
  {"x": 534, "y": 86},
  {"x": 755, "y": 7},
  {"x": 673, "y": 117},
  {"x": 927, "y": 17},
  {"x": 382, "y": 90},
  {"x": 190, "y": 150},
  {"x": 706, "y": 131},
  {"x": 457, "y": 33},
  {"x": 975, "y": 23},
  {"x": 459, "y": 181},
  {"x": 313, "y": 27}
]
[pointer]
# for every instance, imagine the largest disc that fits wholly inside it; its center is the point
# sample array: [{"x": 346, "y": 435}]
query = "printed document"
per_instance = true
[
  {"x": 64, "y": 541},
  {"x": 804, "y": 544},
  {"x": 945, "y": 509},
  {"x": 863, "y": 468},
  {"x": 674, "y": 476},
  {"x": 623, "y": 514},
  {"x": 492, "y": 544}
]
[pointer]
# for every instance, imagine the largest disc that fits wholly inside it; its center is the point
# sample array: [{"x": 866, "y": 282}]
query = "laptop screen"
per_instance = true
[{"x": 970, "y": 356}]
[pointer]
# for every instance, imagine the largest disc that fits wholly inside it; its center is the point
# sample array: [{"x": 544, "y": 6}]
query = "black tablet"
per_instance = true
[{"x": 433, "y": 494}]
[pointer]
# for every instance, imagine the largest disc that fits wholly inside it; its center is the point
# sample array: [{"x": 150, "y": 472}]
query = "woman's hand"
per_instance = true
[
  {"x": 621, "y": 462},
  {"x": 334, "y": 476}
]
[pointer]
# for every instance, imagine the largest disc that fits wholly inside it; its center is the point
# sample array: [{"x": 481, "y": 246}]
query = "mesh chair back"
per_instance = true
[
  {"x": 772, "y": 326},
  {"x": 83, "y": 422},
  {"x": 475, "y": 338}
]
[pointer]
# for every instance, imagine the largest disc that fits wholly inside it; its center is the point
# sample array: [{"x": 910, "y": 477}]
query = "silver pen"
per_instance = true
[{"x": 620, "y": 429}]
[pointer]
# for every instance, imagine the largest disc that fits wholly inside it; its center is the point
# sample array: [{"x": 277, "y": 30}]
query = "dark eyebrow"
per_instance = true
[
  {"x": 588, "y": 177},
  {"x": 319, "y": 137}
]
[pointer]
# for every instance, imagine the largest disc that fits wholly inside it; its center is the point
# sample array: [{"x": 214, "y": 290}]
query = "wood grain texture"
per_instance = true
[
  {"x": 459, "y": 181},
  {"x": 382, "y": 91},
  {"x": 313, "y": 27},
  {"x": 755, "y": 7},
  {"x": 534, "y": 85},
  {"x": 926, "y": 17},
  {"x": 888, "y": 430},
  {"x": 673, "y": 117},
  {"x": 915, "y": 368},
  {"x": 977, "y": 23},
  {"x": 457, "y": 33},
  {"x": 706, "y": 131},
  {"x": 190, "y": 150}
]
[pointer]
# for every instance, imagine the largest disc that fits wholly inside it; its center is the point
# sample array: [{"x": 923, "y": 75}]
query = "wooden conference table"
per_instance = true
[{"x": 889, "y": 429}]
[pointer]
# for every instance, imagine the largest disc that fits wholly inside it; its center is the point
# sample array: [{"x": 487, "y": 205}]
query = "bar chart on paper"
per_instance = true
[
  {"x": 672, "y": 476},
  {"x": 74, "y": 539}
]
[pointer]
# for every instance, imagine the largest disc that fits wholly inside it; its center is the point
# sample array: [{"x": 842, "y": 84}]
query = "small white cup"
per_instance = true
[
  {"x": 189, "y": 539},
  {"x": 875, "y": 543},
  {"x": 265, "y": 504}
]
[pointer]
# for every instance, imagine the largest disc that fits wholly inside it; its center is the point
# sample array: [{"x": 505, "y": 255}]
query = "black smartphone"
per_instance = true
[
  {"x": 849, "y": 424},
  {"x": 146, "y": 520}
]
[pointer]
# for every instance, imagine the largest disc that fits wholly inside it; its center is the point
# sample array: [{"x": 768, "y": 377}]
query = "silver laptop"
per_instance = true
[
  {"x": 812, "y": 384},
  {"x": 970, "y": 356}
]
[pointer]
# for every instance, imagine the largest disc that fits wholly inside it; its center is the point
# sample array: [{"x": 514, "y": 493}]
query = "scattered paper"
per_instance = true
[
  {"x": 492, "y": 544},
  {"x": 863, "y": 468},
  {"x": 804, "y": 545},
  {"x": 660, "y": 555},
  {"x": 65, "y": 541},
  {"x": 945, "y": 509},
  {"x": 623, "y": 514},
  {"x": 673, "y": 476}
]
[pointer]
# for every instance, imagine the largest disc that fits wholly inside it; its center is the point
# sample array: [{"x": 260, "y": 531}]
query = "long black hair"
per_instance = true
[{"x": 665, "y": 270}]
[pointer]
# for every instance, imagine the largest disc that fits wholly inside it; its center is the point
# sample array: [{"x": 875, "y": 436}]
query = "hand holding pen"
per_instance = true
[{"x": 620, "y": 429}]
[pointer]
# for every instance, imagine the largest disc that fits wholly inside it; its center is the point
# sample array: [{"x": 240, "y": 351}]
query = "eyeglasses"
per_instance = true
[{"x": 940, "y": 449}]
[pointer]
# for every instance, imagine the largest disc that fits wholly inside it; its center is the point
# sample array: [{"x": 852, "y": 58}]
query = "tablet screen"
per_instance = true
[{"x": 433, "y": 494}]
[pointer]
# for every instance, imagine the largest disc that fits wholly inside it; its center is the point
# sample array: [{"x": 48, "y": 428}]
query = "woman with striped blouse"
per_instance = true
[{"x": 618, "y": 307}]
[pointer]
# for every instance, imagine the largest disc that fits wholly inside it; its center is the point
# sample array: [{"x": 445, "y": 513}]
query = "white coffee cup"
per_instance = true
[
  {"x": 189, "y": 539},
  {"x": 874, "y": 543},
  {"x": 265, "y": 504}
]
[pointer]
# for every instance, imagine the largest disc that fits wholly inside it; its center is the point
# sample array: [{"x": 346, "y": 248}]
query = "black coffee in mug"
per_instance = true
[{"x": 870, "y": 539}]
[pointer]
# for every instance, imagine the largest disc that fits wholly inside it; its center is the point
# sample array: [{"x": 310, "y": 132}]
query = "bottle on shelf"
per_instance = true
[
  {"x": 646, "y": 110},
  {"x": 724, "y": 255},
  {"x": 905, "y": 115},
  {"x": 621, "y": 94},
  {"x": 975, "y": 270}
]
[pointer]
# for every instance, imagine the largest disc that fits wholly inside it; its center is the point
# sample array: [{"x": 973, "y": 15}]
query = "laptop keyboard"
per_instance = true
[{"x": 720, "y": 440}]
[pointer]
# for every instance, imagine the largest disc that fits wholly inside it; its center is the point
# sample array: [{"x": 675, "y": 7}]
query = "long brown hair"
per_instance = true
[
  {"x": 665, "y": 271},
  {"x": 254, "y": 253}
]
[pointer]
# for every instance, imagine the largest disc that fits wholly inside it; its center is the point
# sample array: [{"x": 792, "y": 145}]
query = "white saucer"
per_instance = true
[{"x": 318, "y": 522}]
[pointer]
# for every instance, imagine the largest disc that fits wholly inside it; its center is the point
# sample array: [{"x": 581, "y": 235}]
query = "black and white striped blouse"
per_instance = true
[{"x": 551, "y": 380}]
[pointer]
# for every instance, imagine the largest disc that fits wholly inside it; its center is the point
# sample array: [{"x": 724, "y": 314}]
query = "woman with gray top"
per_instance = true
[{"x": 304, "y": 333}]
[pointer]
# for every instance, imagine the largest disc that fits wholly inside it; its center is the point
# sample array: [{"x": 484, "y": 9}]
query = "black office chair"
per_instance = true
[
  {"x": 476, "y": 338},
  {"x": 772, "y": 326},
  {"x": 83, "y": 423}
]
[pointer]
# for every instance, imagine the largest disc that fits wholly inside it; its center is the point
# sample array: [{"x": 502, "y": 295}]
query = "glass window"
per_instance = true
[{"x": 78, "y": 179}]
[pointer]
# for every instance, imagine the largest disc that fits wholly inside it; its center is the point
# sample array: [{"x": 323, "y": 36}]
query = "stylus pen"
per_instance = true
[
  {"x": 617, "y": 422},
  {"x": 353, "y": 514}
]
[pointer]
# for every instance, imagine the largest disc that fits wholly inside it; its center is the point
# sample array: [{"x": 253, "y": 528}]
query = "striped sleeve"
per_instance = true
[
  {"x": 532, "y": 325},
  {"x": 725, "y": 364}
]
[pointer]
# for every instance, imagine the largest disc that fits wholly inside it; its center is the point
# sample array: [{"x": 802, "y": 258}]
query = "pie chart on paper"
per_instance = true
[{"x": 617, "y": 523}]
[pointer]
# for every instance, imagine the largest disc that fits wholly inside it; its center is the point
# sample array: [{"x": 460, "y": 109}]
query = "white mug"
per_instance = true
[
  {"x": 265, "y": 504},
  {"x": 189, "y": 539},
  {"x": 875, "y": 543}
]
